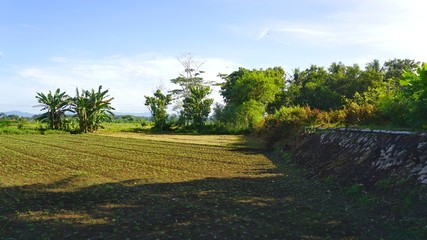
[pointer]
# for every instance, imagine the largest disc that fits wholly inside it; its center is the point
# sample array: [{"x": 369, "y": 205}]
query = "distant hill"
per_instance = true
[
  {"x": 19, "y": 113},
  {"x": 144, "y": 114},
  {"x": 27, "y": 114}
]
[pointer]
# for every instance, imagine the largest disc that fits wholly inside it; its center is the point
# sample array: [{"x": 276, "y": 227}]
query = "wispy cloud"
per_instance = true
[
  {"x": 387, "y": 27},
  {"x": 391, "y": 26},
  {"x": 303, "y": 31},
  {"x": 129, "y": 78},
  {"x": 309, "y": 33}
]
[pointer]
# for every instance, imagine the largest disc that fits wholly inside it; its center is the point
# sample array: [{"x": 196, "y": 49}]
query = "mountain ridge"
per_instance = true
[
  {"x": 20, "y": 113},
  {"x": 28, "y": 114}
]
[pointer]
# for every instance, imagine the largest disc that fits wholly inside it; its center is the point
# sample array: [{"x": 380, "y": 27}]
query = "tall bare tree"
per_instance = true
[{"x": 188, "y": 82}]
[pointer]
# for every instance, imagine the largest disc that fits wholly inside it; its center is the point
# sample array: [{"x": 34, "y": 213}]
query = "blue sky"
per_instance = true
[{"x": 131, "y": 46}]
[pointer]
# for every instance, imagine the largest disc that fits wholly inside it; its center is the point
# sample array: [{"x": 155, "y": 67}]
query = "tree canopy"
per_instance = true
[
  {"x": 157, "y": 105},
  {"x": 247, "y": 94}
]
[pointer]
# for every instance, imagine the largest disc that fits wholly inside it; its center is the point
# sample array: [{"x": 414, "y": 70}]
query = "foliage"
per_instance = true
[
  {"x": 56, "y": 104},
  {"x": 315, "y": 91},
  {"x": 394, "y": 69},
  {"x": 405, "y": 105},
  {"x": 191, "y": 96},
  {"x": 158, "y": 105},
  {"x": 414, "y": 90},
  {"x": 244, "y": 117},
  {"x": 258, "y": 85},
  {"x": 218, "y": 113},
  {"x": 329, "y": 89},
  {"x": 196, "y": 105},
  {"x": 359, "y": 114},
  {"x": 286, "y": 123},
  {"x": 128, "y": 118},
  {"x": 247, "y": 94},
  {"x": 393, "y": 94},
  {"x": 91, "y": 108}
]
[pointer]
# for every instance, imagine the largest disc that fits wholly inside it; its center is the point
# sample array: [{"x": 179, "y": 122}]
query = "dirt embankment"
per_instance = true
[{"x": 355, "y": 156}]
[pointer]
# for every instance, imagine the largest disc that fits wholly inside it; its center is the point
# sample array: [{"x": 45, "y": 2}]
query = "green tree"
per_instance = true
[
  {"x": 374, "y": 66},
  {"x": 259, "y": 85},
  {"x": 249, "y": 114},
  {"x": 188, "y": 82},
  {"x": 91, "y": 108},
  {"x": 414, "y": 89},
  {"x": 288, "y": 93},
  {"x": 325, "y": 90},
  {"x": 197, "y": 105},
  {"x": 394, "y": 69},
  {"x": 337, "y": 68},
  {"x": 56, "y": 104},
  {"x": 317, "y": 87},
  {"x": 218, "y": 113},
  {"x": 247, "y": 93},
  {"x": 158, "y": 105}
]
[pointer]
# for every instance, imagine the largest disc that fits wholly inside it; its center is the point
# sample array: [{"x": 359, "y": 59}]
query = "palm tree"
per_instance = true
[
  {"x": 56, "y": 105},
  {"x": 374, "y": 66},
  {"x": 92, "y": 108}
]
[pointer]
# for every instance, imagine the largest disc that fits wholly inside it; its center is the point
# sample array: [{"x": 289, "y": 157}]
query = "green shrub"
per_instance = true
[
  {"x": 359, "y": 114},
  {"x": 286, "y": 123}
]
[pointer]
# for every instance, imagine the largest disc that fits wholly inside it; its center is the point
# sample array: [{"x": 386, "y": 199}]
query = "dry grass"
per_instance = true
[{"x": 214, "y": 140}]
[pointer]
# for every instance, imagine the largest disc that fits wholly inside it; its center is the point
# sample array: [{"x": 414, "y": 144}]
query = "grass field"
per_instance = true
[{"x": 88, "y": 186}]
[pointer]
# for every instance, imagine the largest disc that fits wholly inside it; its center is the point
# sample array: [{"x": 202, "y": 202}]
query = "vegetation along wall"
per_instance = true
[{"x": 360, "y": 156}]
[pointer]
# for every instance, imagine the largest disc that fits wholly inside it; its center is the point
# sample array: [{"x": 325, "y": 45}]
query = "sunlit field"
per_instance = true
[{"x": 63, "y": 186}]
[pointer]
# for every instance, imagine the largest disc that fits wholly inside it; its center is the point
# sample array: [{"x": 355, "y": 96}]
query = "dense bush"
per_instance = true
[
  {"x": 286, "y": 123},
  {"x": 356, "y": 114}
]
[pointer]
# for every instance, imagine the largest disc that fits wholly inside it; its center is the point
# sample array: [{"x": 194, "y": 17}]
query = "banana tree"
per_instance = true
[
  {"x": 91, "y": 108},
  {"x": 56, "y": 105}
]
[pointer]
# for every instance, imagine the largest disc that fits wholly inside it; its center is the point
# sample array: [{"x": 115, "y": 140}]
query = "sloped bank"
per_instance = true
[{"x": 363, "y": 156}]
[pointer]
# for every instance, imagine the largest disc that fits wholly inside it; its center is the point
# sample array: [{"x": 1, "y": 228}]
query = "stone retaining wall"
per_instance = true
[{"x": 364, "y": 156}]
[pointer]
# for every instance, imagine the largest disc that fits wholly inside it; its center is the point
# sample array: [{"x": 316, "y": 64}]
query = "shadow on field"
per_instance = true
[{"x": 286, "y": 206}]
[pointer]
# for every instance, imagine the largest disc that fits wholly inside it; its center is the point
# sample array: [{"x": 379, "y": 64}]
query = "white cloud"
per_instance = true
[
  {"x": 310, "y": 33},
  {"x": 128, "y": 78}
]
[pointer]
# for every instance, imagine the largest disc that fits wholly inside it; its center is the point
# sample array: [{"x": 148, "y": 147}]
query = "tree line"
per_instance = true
[
  {"x": 389, "y": 94},
  {"x": 271, "y": 101}
]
